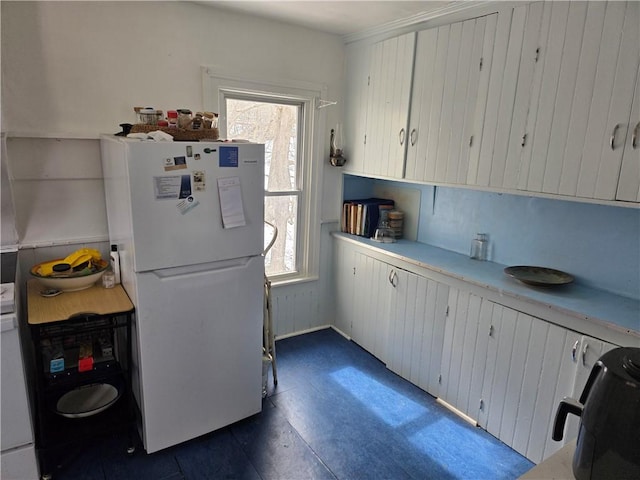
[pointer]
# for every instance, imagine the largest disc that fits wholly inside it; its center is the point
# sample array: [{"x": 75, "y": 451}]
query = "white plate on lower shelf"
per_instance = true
[{"x": 87, "y": 400}]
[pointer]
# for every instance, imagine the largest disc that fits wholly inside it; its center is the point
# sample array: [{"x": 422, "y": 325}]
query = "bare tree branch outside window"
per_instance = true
[{"x": 275, "y": 125}]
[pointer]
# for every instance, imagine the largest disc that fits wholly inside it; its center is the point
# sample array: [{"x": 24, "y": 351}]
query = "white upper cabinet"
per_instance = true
[
  {"x": 540, "y": 97},
  {"x": 580, "y": 99},
  {"x": 389, "y": 91},
  {"x": 357, "y": 57},
  {"x": 378, "y": 93},
  {"x": 488, "y": 153},
  {"x": 629, "y": 183},
  {"x": 449, "y": 94}
]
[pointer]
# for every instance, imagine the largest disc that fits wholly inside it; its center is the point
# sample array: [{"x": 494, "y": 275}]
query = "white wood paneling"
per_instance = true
[
  {"x": 435, "y": 113},
  {"x": 505, "y": 329},
  {"x": 295, "y": 310},
  {"x": 481, "y": 174},
  {"x": 358, "y": 58},
  {"x": 528, "y": 64},
  {"x": 585, "y": 83},
  {"x": 448, "y": 98},
  {"x": 556, "y": 382},
  {"x": 620, "y": 108},
  {"x": 476, "y": 94},
  {"x": 344, "y": 272},
  {"x": 536, "y": 87},
  {"x": 422, "y": 102},
  {"x": 629, "y": 183},
  {"x": 461, "y": 356},
  {"x": 404, "y": 319},
  {"x": 448, "y": 103},
  {"x": 371, "y": 305},
  {"x": 507, "y": 97},
  {"x": 433, "y": 337},
  {"x": 468, "y": 399},
  {"x": 516, "y": 367},
  {"x": 552, "y": 58},
  {"x": 416, "y": 329},
  {"x": 563, "y": 106},
  {"x": 389, "y": 91},
  {"x": 529, "y": 384}
]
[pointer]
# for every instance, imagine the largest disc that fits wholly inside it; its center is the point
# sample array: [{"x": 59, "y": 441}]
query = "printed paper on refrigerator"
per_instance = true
[{"x": 231, "y": 206}]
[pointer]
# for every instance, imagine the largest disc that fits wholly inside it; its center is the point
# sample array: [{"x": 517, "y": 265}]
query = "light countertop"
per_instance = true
[
  {"x": 602, "y": 308},
  {"x": 556, "y": 467}
]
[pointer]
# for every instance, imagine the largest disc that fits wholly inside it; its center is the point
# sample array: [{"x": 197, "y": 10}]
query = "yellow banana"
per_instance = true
[
  {"x": 46, "y": 269},
  {"x": 85, "y": 257},
  {"x": 72, "y": 260}
]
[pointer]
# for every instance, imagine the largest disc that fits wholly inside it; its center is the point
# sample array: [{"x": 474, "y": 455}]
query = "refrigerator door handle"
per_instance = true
[{"x": 204, "y": 269}]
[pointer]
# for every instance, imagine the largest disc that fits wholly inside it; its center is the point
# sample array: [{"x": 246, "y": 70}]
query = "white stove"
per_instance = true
[
  {"x": 7, "y": 298},
  {"x": 17, "y": 450}
]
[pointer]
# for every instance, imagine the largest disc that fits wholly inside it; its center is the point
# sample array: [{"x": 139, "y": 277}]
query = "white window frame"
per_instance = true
[{"x": 217, "y": 84}]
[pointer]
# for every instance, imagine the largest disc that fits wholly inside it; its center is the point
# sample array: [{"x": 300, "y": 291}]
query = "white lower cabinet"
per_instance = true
[
  {"x": 371, "y": 305},
  {"x": 460, "y": 369},
  {"x": 509, "y": 371},
  {"x": 344, "y": 274},
  {"x": 362, "y": 292},
  {"x": 416, "y": 328},
  {"x": 505, "y": 369}
]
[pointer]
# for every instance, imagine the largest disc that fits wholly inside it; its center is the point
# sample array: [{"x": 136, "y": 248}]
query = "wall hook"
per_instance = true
[{"x": 320, "y": 103}]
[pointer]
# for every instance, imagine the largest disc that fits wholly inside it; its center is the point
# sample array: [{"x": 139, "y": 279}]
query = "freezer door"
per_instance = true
[
  {"x": 176, "y": 210},
  {"x": 200, "y": 348}
]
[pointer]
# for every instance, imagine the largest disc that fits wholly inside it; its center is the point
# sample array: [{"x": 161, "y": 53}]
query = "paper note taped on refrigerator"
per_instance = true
[{"x": 231, "y": 206}]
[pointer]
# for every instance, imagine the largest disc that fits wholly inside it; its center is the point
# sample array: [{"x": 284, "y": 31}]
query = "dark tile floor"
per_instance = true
[{"x": 337, "y": 412}]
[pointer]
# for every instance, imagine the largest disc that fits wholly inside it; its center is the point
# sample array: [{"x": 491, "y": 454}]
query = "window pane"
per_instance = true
[
  {"x": 282, "y": 211},
  {"x": 275, "y": 125}
]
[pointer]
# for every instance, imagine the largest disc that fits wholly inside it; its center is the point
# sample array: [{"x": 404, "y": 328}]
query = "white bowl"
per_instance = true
[{"x": 71, "y": 283}]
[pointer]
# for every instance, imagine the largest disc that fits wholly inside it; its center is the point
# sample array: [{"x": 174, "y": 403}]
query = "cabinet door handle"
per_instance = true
[
  {"x": 491, "y": 330},
  {"x": 392, "y": 278},
  {"x": 402, "y": 136},
  {"x": 412, "y": 137},
  {"x": 574, "y": 350},
  {"x": 613, "y": 137},
  {"x": 634, "y": 138},
  {"x": 584, "y": 354}
]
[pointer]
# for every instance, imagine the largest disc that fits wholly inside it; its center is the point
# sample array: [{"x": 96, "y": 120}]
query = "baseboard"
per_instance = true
[
  {"x": 302, "y": 332},
  {"x": 463, "y": 416}
]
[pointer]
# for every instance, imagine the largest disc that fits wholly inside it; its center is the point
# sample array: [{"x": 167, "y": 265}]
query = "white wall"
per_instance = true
[{"x": 77, "y": 69}]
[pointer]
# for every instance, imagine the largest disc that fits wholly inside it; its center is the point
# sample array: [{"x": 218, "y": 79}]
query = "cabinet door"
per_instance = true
[
  {"x": 505, "y": 362},
  {"x": 448, "y": 94},
  {"x": 555, "y": 383},
  {"x": 580, "y": 99},
  {"x": 462, "y": 361},
  {"x": 371, "y": 305},
  {"x": 416, "y": 328},
  {"x": 608, "y": 163},
  {"x": 496, "y": 115},
  {"x": 629, "y": 182},
  {"x": 345, "y": 275},
  {"x": 501, "y": 101},
  {"x": 358, "y": 58},
  {"x": 521, "y": 352},
  {"x": 388, "y": 97},
  {"x": 589, "y": 352}
]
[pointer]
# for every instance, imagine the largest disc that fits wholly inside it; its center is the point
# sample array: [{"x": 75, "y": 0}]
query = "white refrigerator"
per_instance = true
[{"x": 187, "y": 219}]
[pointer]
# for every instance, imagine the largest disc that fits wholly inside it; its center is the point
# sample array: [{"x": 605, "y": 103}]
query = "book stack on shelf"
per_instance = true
[{"x": 360, "y": 217}]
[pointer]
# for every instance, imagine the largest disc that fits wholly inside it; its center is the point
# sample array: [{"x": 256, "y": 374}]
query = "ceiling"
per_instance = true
[{"x": 336, "y": 17}]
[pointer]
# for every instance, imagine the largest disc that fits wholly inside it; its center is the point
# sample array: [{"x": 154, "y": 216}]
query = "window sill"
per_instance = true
[{"x": 285, "y": 282}]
